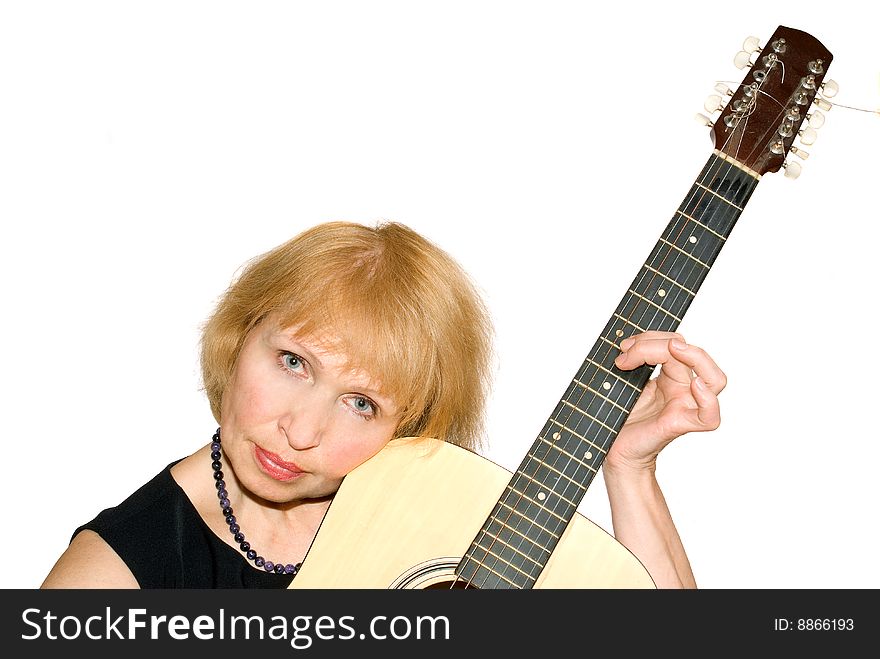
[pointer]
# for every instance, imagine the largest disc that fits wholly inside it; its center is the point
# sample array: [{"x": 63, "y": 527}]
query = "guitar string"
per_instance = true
[{"x": 710, "y": 174}]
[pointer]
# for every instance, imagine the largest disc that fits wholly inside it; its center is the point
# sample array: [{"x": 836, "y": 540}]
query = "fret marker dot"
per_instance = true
[
  {"x": 606, "y": 386},
  {"x": 556, "y": 435},
  {"x": 661, "y": 292},
  {"x": 588, "y": 456},
  {"x": 619, "y": 332},
  {"x": 693, "y": 239},
  {"x": 541, "y": 496}
]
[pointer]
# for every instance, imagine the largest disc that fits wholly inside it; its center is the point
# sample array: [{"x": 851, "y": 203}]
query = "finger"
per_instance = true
[
  {"x": 701, "y": 363},
  {"x": 646, "y": 349},
  {"x": 648, "y": 335},
  {"x": 708, "y": 412}
]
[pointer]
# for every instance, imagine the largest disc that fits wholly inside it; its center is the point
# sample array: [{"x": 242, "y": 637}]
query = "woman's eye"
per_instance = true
[
  {"x": 363, "y": 406},
  {"x": 291, "y": 361}
]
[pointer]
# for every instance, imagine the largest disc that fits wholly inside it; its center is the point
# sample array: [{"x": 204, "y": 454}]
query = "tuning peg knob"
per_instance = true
[
  {"x": 808, "y": 136},
  {"x": 742, "y": 59},
  {"x": 703, "y": 119},
  {"x": 816, "y": 119},
  {"x": 723, "y": 89},
  {"x": 713, "y": 103},
  {"x": 800, "y": 153},
  {"x": 751, "y": 44},
  {"x": 830, "y": 88},
  {"x": 792, "y": 169},
  {"x": 822, "y": 104}
]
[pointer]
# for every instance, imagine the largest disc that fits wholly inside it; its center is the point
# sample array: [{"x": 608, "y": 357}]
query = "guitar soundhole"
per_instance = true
[
  {"x": 454, "y": 584},
  {"x": 434, "y": 574}
]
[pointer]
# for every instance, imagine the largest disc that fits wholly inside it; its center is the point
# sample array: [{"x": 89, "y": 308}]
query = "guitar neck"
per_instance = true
[{"x": 543, "y": 495}]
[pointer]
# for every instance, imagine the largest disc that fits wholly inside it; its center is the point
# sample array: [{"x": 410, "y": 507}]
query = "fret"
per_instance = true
[
  {"x": 710, "y": 191},
  {"x": 512, "y": 510},
  {"x": 655, "y": 305},
  {"x": 588, "y": 415},
  {"x": 616, "y": 376},
  {"x": 700, "y": 224},
  {"x": 600, "y": 395},
  {"x": 694, "y": 239},
  {"x": 488, "y": 578},
  {"x": 545, "y": 491},
  {"x": 655, "y": 285},
  {"x": 671, "y": 281},
  {"x": 546, "y": 477},
  {"x": 579, "y": 436},
  {"x": 542, "y": 550},
  {"x": 683, "y": 271},
  {"x": 499, "y": 558},
  {"x": 680, "y": 250},
  {"x": 533, "y": 500},
  {"x": 557, "y": 436},
  {"x": 629, "y": 322},
  {"x": 543, "y": 441}
]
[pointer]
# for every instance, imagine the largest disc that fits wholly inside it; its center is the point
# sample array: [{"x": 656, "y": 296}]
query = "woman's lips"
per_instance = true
[{"x": 275, "y": 467}]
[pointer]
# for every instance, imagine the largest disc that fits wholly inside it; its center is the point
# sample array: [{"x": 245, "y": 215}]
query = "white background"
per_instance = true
[{"x": 148, "y": 149}]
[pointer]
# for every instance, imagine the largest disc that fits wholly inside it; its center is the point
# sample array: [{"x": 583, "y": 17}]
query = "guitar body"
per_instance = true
[{"x": 404, "y": 519}]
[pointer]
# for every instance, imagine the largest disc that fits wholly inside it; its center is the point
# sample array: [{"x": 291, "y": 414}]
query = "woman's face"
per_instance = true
[{"x": 295, "y": 421}]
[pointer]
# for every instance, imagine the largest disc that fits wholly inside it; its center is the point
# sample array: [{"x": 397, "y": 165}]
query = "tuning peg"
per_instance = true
[
  {"x": 800, "y": 153},
  {"x": 751, "y": 44},
  {"x": 742, "y": 59},
  {"x": 723, "y": 89},
  {"x": 816, "y": 119},
  {"x": 808, "y": 136},
  {"x": 713, "y": 103},
  {"x": 822, "y": 103},
  {"x": 792, "y": 169},
  {"x": 703, "y": 119},
  {"x": 830, "y": 88}
]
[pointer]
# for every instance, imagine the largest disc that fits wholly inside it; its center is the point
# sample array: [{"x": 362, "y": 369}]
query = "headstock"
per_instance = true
[{"x": 763, "y": 116}]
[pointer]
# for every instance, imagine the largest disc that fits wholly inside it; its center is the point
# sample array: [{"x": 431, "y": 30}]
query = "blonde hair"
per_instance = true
[{"x": 396, "y": 304}]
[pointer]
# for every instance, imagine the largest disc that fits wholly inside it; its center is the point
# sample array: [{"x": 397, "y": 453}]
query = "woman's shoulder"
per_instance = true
[{"x": 76, "y": 566}]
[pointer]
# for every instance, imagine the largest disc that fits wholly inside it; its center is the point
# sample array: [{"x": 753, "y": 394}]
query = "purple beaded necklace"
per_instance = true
[{"x": 234, "y": 528}]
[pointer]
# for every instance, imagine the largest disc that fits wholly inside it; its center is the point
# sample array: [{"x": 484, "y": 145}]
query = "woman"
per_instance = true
[{"x": 322, "y": 351}]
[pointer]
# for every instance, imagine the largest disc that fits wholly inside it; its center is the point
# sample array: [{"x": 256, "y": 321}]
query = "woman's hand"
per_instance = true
[{"x": 682, "y": 398}]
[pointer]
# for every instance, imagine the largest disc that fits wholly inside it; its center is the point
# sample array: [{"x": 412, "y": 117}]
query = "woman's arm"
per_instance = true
[{"x": 681, "y": 399}]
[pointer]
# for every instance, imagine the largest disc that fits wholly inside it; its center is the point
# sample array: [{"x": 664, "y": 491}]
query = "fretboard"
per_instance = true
[{"x": 542, "y": 497}]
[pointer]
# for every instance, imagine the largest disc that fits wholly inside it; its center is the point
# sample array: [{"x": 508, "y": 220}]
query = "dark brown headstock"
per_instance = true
[{"x": 764, "y": 115}]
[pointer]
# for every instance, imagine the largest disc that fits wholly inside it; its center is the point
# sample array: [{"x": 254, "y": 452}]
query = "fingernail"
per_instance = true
[
  {"x": 626, "y": 344},
  {"x": 679, "y": 344},
  {"x": 700, "y": 384}
]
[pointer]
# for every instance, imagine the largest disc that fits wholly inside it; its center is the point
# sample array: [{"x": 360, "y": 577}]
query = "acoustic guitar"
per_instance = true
[{"x": 424, "y": 513}]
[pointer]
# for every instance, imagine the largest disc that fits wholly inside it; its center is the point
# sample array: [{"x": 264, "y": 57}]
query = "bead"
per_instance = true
[{"x": 234, "y": 528}]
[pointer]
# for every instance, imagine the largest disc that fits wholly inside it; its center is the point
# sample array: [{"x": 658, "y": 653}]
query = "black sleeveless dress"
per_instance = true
[{"x": 166, "y": 544}]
